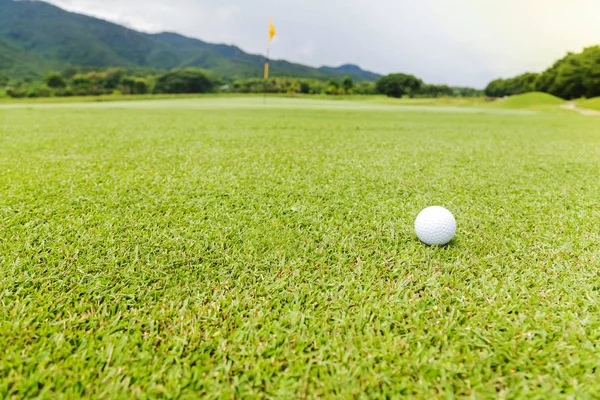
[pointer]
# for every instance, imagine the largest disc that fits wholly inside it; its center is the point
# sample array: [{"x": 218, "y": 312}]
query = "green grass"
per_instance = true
[
  {"x": 592, "y": 104},
  {"x": 180, "y": 251},
  {"x": 533, "y": 100}
]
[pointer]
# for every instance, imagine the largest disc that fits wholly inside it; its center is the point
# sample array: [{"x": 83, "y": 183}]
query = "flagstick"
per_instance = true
[
  {"x": 266, "y": 77},
  {"x": 267, "y": 72}
]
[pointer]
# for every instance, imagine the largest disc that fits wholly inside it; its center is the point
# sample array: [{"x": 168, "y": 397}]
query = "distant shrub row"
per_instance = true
[
  {"x": 73, "y": 82},
  {"x": 113, "y": 81},
  {"x": 305, "y": 86},
  {"x": 93, "y": 83}
]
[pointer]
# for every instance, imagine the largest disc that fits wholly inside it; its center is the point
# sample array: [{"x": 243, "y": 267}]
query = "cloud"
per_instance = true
[
  {"x": 228, "y": 13},
  {"x": 459, "y": 42},
  {"x": 307, "y": 49}
]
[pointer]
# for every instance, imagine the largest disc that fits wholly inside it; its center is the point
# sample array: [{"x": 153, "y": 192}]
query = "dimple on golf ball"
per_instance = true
[{"x": 435, "y": 226}]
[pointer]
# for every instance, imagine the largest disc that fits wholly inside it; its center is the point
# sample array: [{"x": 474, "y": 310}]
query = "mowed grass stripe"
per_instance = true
[{"x": 233, "y": 252}]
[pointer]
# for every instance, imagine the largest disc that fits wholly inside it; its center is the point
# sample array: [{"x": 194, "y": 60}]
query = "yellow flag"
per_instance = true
[{"x": 272, "y": 31}]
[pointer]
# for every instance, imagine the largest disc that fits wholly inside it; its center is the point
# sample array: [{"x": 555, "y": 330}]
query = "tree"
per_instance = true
[
  {"x": 347, "y": 84},
  {"x": 80, "y": 81},
  {"x": 575, "y": 75},
  {"x": 398, "y": 85},
  {"x": 88, "y": 84},
  {"x": 508, "y": 87},
  {"x": 333, "y": 87},
  {"x": 523, "y": 83},
  {"x": 496, "y": 88},
  {"x": 184, "y": 81},
  {"x": 140, "y": 86},
  {"x": 365, "y": 88},
  {"x": 127, "y": 85},
  {"x": 112, "y": 78},
  {"x": 547, "y": 78},
  {"x": 55, "y": 81},
  {"x": 304, "y": 87}
]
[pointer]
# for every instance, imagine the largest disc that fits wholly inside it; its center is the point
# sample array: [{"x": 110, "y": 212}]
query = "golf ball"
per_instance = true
[{"x": 435, "y": 226}]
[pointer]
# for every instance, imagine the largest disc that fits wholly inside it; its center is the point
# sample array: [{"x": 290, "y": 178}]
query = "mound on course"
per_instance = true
[
  {"x": 531, "y": 100},
  {"x": 591, "y": 104}
]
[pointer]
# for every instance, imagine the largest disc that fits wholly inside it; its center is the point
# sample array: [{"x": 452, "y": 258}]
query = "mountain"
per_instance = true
[
  {"x": 15, "y": 61},
  {"x": 350, "y": 69},
  {"x": 36, "y": 37}
]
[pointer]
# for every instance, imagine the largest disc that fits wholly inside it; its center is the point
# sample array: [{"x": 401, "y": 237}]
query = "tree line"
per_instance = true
[
  {"x": 84, "y": 82},
  {"x": 73, "y": 82},
  {"x": 574, "y": 76},
  {"x": 404, "y": 85}
]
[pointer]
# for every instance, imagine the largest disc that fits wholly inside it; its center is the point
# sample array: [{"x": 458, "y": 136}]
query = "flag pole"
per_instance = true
[
  {"x": 266, "y": 77},
  {"x": 272, "y": 33}
]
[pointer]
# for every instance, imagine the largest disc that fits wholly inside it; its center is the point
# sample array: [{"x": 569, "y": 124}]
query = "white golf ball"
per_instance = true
[{"x": 435, "y": 226}]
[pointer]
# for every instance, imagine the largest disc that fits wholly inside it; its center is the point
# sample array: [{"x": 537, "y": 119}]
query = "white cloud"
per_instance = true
[
  {"x": 228, "y": 13},
  {"x": 307, "y": 49},
  {"x": 461, "y": 42}
]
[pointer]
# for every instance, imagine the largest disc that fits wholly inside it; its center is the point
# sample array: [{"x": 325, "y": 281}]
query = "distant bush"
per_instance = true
[
  {"x": 277, "y": 85},
  {"x": 348, "y": 85},
  {"x": 64, "y": 92},
  {"x": 112, "y": 78},
  {"x": 433, "y": 91},
  {"x": 17, "y": 92},
  {"x": 81, "y": 82},
  {"x": 90, "y": 91},
  {"x": 127, "y": 85},
  {"x": 140, "y": 86},
  {"x": 304, "y": 87},
  {"x": 334, "y": 91},
  {"x": 398, "y": 85},
  {"x": 184, "y": 81},
  {"x": 55, "y": 81},
  {"x": 333, "y": 84},
  {"x": 364, "y": 88},
  {"x": 39, "y": 91}
]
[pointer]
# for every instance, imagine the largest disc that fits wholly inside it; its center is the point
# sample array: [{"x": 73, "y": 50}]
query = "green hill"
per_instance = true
[
  {"x": 591, "y": 104},
  {"x": 36, "y": 37},
  {"x": 15, "y": 61},
  {"x": 530, "y": 100}
]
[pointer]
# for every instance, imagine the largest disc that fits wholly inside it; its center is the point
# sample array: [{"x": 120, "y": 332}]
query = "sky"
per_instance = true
[{"x": 456, "y": 42}]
